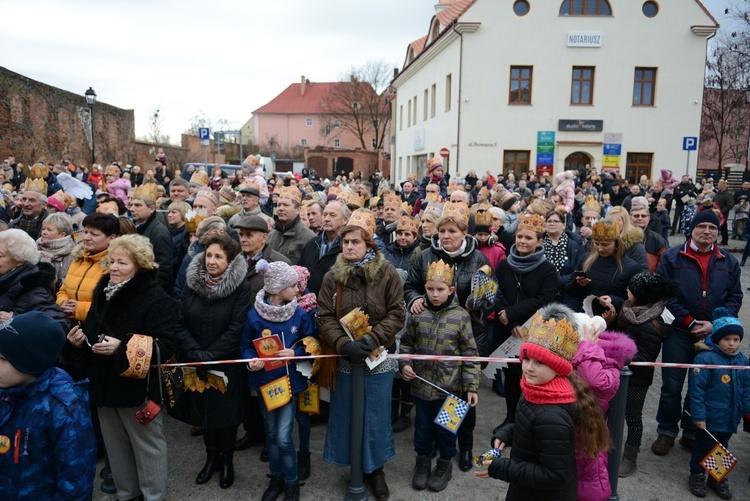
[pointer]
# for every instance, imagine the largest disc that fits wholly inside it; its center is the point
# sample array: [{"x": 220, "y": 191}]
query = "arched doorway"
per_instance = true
[
  {"x": 577, "y": 161},
  {"x": 320, "y": 164}
]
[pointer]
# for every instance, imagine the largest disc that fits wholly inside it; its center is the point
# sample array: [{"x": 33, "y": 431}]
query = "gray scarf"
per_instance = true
[{"x": 525, "y": 264}]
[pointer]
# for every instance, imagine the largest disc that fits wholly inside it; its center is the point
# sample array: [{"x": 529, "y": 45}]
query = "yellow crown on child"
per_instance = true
[
  {"x": 146, "y": 192},
  {"x": 531, "y": 222},
  {"x": 483, "y": 218},
  {"x": 591, "y": 205},
  {"x": 356, "y": 323},
  {"x": 439, "y": 271},
  {"x": 605, "y": 231},
  {"x": 407, "y": 223},
  {"x": 456, "y": 210},
  {"x": 364, "y": 219},
  {"x": 559, "y": 337}
]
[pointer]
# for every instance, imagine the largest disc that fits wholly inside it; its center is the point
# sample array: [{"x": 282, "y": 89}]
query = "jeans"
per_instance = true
[
  {"x": 282, "y": 455},
  {"x": 425, "y": 430},
  {"x": 703, "y": 444},
  {"x": 677, "y": 348}
]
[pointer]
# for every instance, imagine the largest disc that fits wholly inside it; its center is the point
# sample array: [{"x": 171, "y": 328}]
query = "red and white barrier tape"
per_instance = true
[{"x": 452, "y": 359}]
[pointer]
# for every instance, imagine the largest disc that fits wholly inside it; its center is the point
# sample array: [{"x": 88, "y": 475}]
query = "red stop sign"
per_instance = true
[{"x": 445, "y": 152}]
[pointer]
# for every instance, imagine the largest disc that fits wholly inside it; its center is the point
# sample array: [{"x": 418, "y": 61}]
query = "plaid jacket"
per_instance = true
[{"x": 443, "y": 332}]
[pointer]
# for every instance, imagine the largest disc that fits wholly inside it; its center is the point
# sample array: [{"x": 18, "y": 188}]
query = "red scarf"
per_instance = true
[{"x": 557, "y": 391}]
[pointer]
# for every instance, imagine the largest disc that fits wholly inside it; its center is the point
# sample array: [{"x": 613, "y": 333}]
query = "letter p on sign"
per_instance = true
[{"x": 689, "y": 143}]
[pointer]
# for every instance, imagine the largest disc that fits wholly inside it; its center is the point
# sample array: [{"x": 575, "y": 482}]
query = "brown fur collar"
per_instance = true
[
  {"x": 633, "y": 236},
  {"x": 374, "y": 270}
]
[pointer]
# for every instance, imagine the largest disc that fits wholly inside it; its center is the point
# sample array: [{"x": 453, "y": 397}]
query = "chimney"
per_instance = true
[{"x": 302, "y": 86}]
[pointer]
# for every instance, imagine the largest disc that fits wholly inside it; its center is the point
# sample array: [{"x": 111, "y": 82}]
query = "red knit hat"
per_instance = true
[{"x": 552, "y": 342}]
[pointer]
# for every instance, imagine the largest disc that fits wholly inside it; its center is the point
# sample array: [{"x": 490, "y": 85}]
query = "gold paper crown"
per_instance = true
[
  {"x": 39, "y": 171},
  {"x": 531, "y": 222},
  {"x": 64, "y": 198},
  {"x": 227, "y": 195},
  {"x": 209, "y": 194},
  {"x": 374, "y": 202},
  {"x": 39, "y": 185},
  {"x": 291, "y": 192},
  {"x": 591, "y": 205},
  {"x": 200, "y": 178},
  {"x": 559, "y": 337},
  {"x": 146, "y": 192},
  {"x": 406, "y": 223},
  {"x": 392, "y": 200},
  {"x": 108, "y": 208},
  {"x": 435, "y": 209},
  {"x": 356, "y": 323},
  {"x": 483, "y": 218},
  {"x": 451, "y": 188},
  {"x": 334, "y": 190},
  {"x": 432, "y": 198},
  {"x": 192, "y": 220},
  {"x": 252, "y": 160},
  {"x": 456, "y": 210},
  {"x": 408, "y": 209},
  {"x": 364, "y": 219},
  {"x": 354, "y": 201},
  {"x": 438, "y": 271},
  {"x": 605, "y": 231}
]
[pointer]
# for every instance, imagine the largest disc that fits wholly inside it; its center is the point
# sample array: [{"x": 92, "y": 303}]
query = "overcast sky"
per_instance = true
[{"x": 223, "y": 58}]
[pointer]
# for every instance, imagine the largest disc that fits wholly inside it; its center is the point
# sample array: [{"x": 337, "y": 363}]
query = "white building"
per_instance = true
[{"x": 546, "y": 85}]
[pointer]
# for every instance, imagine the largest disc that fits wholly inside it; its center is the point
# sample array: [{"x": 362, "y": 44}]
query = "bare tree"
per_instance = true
[
  {"x": 358, "y": 104},
  {"x": 725, "y": 113},
  {"x": 155, "y": 126},
  {"x": 739, "y": 13}
]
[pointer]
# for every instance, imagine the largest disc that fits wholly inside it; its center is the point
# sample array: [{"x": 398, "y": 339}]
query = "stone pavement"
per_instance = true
[{"x": 658, "y": 478}]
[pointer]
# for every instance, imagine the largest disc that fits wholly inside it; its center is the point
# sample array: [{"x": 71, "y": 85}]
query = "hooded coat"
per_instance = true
[
  {"x": 31, "y": 288},
  {"x": 466, "y": 264},
  {"x": 599, "y": 364},
  {"x": 634, "y": 249},
  {"x": 209, "y": 328},
  {"x": 140, "y": 307}
]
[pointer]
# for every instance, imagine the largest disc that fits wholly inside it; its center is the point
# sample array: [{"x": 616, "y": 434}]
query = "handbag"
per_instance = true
[{"x": 149, "y": 409}]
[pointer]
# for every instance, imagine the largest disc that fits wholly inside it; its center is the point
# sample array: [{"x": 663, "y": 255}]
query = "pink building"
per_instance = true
[{"x": 297, "y": 117}]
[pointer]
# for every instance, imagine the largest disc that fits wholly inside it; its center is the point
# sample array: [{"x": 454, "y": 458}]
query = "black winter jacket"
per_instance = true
[
  {"x": 542, "y": 463},
  {"x": 606, "y": 280},
  {"x": 31, "y": 288},
  {"x": 161, "y": 241},
  {"x": 316, "y": 265},
  {"x": 648, "y": 331},
  {"x": 466, "y": 265},
  {"x": 209, "y": 328},
  {"x": 400, "y": 257},
  {"x": 140, "y": 307}
]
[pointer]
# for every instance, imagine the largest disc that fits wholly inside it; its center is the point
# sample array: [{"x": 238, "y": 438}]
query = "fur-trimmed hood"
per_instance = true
[
  {"x": 633, "y": 236},
  {"x": 617, "y": 346},
  {"x": 373, "y": 270},
  {"x": 102, "y": 257},
  {"x": 233, "y": 277}
]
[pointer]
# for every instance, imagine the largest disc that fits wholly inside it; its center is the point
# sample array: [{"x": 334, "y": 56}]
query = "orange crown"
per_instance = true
[
  {"x": 591, "y": 205},
  {"x": 438, "y": 271},
  {"x": 531, "y": 222},
  {"x": 292, "y": 193},
  {"x": 356, "y": 323},
  {"x": 146, "y": 192},
  {"x": 406, "y": 223},
  {"x": 456, "y": 210},
  {"x": 392, "y": 200},
  {"x": 364, "y": 219},
  {"x": 192, "y": 220},
  {"x": 559, "y": 337},
  {"x": 483, "y": 218},
  {"x": 200, "y": 178},
  {"x": 408, "y": 209},
  {"x": 354, "y": 201},
  {"x": 605, "y": 231}
]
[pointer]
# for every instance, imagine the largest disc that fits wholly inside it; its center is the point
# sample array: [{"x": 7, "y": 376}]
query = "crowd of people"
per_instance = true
[{"x": 106, "y": 272}]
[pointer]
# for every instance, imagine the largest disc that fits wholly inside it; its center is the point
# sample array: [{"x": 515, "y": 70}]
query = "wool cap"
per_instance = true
[
  {"x": 304, "y": 277},
  {"x": 706, "y": 216},
  {"x": 649, "y": 287},
  {"x": 552, "y": 342},
  {"x": 725, "y": 324},
  {"x": 31, "y": 342},
  {"x": 277, "y": 276}
]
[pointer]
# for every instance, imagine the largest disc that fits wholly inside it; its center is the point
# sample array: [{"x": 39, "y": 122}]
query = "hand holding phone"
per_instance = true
[{"x": 580, "y": 273}]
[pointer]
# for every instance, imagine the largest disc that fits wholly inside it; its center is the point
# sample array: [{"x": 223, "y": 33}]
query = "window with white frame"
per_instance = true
[
  {"x": 309, "y": 122},
  {"x": 303, "y": 142},
  {"x": 336, "y": 143}
]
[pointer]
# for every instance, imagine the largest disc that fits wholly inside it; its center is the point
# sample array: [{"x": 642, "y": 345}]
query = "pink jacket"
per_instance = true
[
  {"x": 494, "y": 254},
  {"x": 119, "y": 188},
  {"x": 566, "y": 190},
  {"x": 258, "y": 178},
  {"x": 599, "y": 365},
  {"x": 669, "y": 181}
]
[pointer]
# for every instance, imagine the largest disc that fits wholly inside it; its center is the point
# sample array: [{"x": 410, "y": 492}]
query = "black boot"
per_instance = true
[
  {"x": 213, "y": 463},
  {"x": 226, "y": 479},
  {"x": 464, "y": 461},
  {"x": 404, "y": 421},
  {"x": 275, "y": 487},
  {"x": 379, "y": 487},
  {"x": 291, "y": 492},
  {"x": 303, "y": 465}
]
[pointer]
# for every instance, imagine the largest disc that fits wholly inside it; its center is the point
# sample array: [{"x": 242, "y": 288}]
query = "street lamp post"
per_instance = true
[
  {"x": 91, "y": 101},
  {"x": 747, "y": 114}
]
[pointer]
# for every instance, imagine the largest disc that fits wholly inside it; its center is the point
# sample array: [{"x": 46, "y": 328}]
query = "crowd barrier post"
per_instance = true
[
  {"x": 616, "y": 429},
  {"x": 355, "y": 489}
]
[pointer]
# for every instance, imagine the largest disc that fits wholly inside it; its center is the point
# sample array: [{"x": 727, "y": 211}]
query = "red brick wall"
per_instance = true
[{"x": 41, "y": 122}]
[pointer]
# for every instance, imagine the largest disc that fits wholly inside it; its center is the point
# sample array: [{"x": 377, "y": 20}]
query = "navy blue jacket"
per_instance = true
[
  {"x": 697, "y": 300},
  {"x": 720, "y": 397}
]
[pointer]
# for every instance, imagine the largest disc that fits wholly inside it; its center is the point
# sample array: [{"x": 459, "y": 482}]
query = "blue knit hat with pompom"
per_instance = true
[{"x": 725, "y": 324}]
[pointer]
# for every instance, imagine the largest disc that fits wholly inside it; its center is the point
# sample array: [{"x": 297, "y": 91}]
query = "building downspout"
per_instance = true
[{"x": 460, "y": 80}]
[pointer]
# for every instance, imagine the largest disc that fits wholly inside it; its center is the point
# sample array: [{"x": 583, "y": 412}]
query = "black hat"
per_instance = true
[
  {"x": 650, "y": 287},
  {"x": 705, "y": 216},
  {"x": 31, "y": 342},
  {"x": 256, "y": 223}
]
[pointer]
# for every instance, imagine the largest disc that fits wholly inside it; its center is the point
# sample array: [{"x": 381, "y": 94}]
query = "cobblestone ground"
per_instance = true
[{"x": 658, "y": 478}]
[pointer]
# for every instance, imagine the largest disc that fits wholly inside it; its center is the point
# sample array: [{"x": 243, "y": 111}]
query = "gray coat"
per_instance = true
[{"x": 290, "y": 240}]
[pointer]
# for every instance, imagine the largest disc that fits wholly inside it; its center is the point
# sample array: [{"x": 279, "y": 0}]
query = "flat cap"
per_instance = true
[{"x": 252, "y": 223}]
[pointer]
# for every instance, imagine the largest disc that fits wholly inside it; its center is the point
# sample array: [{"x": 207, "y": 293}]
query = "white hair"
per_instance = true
[
  {"x": 20, "y": 246},
  {"x": 500, "y": 213}
]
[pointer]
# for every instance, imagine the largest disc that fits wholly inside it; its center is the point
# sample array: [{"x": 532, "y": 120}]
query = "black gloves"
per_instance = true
[{"x": 356, "y": 351}]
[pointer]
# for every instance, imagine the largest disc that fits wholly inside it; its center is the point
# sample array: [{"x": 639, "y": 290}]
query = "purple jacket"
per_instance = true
[
  {"x": 119, "y": 188},
  {"x": 599, "y": 365}
]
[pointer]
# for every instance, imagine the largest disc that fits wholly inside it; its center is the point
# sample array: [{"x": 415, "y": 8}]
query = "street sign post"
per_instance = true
[
  {"x": 204, "y": 134},
  {"x": 689, "y": 144}
]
